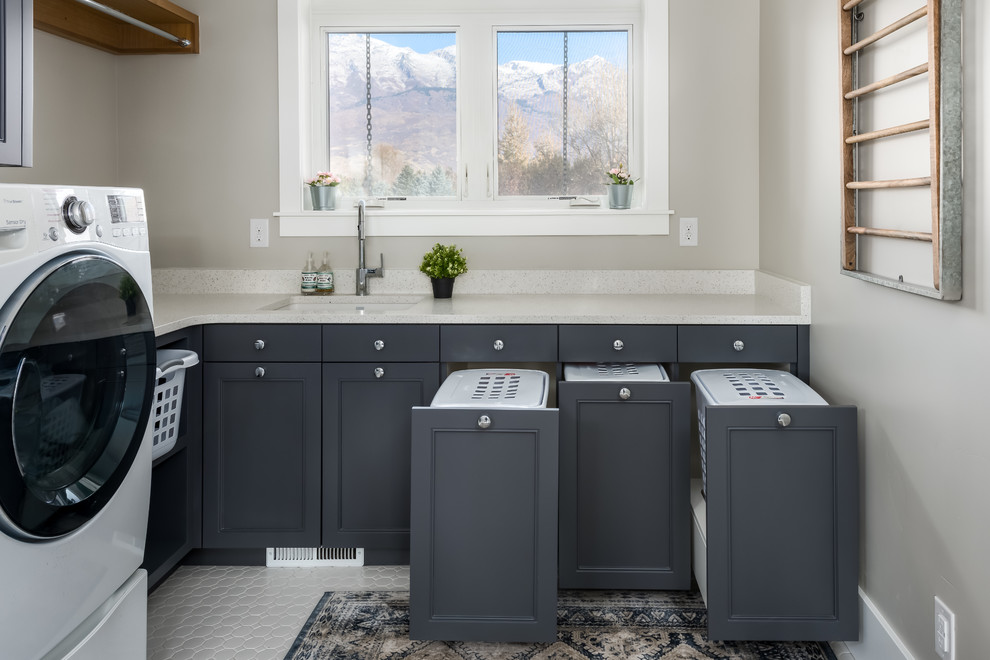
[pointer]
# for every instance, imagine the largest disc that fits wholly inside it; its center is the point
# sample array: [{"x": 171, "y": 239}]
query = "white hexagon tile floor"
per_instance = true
[{"x": 247, "y": 612}]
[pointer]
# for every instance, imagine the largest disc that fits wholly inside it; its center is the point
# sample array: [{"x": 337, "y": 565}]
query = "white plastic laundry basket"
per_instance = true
[
  {"x": 746, "y": 387},
  {"x": 493, "y": 388},
  {"x": 616, "y": 371},
  {"x": 167, "y": 408}
]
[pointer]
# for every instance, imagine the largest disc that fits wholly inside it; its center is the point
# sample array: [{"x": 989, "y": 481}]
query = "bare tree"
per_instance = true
[
  {"x": 598, "y": 131},
  {"x": 513, "y": 152},
  {"x": 390, "y": 161}
]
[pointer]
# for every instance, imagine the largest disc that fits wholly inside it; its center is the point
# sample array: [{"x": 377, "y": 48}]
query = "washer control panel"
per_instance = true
[{"x": 114, "y": 216}]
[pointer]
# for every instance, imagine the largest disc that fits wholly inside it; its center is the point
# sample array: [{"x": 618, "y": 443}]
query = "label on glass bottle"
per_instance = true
[
  {"x": 324, "y": 281},
  {"x": 308, "y": 281}
]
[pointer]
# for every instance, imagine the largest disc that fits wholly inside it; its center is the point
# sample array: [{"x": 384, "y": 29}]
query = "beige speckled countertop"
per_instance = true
[{"x": 653, "y": 297}]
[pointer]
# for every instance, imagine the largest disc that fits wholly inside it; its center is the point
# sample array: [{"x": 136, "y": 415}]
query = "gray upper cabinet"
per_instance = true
[{"x": 17, "y": 80}]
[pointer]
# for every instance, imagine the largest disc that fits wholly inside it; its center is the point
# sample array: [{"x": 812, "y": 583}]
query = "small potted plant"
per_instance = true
[
  {"x": 323, "y": 189},
  {"x": 442, "y": 264},
  {"x": 620, "y": 188}
]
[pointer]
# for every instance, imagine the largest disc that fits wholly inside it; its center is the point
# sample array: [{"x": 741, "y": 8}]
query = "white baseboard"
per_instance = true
[{"x": 878, "y": 641}]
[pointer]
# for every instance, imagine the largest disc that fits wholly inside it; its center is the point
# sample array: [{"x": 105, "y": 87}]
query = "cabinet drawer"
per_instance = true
[
  {"x": 498, "y": 343},
  {"x": 737, "y": 343},
  {"x": 262, "y": 343},
  {"x": 381, "y": 343},
  {"x": 618, "y": 343}
]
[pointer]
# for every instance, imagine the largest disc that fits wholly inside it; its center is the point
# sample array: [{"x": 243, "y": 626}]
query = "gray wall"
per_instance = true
[
  {"x": 75, "y": 116},
  {"x": 917, "y": 368},
  {"x": 198, "y": 133}
]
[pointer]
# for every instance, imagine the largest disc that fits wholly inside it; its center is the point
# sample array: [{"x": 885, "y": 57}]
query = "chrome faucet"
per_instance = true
[{"x": 363, "y": 273}]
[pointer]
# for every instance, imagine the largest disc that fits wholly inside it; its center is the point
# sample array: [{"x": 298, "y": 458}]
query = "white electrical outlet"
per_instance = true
[
  {"x": 259, "y": 232},
  {"x": 689, "y": 232},
  {"x": 945, "y": 631}
]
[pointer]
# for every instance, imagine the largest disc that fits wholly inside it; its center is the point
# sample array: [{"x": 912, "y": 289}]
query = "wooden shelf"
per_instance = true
[{"x": 77, "y": 22}]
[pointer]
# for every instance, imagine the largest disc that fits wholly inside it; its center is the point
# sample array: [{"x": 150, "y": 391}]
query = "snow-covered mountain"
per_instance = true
[{"x": 414, "y": 98}]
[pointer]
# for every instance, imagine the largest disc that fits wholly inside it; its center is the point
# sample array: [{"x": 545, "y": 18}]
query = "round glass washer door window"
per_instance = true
[{"x": 77, "y": 370}]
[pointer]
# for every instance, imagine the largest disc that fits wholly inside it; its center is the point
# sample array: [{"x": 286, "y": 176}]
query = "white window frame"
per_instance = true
[{"x": 302, "y": 119}]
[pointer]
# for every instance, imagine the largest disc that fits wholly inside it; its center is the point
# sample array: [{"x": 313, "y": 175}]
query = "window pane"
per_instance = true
[
  {"x": 560, "y": 136},
  {"x": 396, "y": 136}
]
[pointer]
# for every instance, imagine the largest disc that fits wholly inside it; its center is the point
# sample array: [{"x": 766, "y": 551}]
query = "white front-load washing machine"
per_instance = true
[{"x": 77, "y": 374}]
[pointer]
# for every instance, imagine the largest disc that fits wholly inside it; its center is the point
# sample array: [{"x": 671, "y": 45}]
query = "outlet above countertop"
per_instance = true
[{"x": 186, "y": 297}]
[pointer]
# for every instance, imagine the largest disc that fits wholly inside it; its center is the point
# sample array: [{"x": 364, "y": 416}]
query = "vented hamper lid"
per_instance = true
[
  {"x": 616, "y": 371},
  {"x": 493, "y": 388},
  {"x": 754, "y": 387}
]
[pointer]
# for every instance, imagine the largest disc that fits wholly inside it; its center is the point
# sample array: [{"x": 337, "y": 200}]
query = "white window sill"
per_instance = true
[{"x": 562, "y": 222}]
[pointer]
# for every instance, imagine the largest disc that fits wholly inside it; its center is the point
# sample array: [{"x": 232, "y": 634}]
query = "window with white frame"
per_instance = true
[
  {"x": 563, "y": 114},
  {"x": 392, "y": 113},
  {"x": 481, "y": 110}
]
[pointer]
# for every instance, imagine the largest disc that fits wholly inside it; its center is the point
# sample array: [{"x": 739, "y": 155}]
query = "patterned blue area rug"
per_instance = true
[{"x": 604, "y": 625}]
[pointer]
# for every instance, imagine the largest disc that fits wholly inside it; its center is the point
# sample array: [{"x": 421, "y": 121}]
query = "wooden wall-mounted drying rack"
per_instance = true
[{"x": 944, "y": 126}]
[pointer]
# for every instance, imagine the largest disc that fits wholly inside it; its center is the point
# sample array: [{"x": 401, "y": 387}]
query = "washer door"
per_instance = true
[{"x": 77, "y": 369}]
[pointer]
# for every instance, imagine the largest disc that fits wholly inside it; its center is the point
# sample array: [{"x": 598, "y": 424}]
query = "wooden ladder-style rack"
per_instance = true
[{"x": 944, "y": 126}]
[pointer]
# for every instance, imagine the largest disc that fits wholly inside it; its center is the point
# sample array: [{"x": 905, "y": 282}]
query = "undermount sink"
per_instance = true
[{"x": 337, "y": 304}]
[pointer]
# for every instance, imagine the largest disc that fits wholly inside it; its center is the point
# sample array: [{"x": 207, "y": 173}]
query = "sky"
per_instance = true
[{"x": 528, "y": 46}]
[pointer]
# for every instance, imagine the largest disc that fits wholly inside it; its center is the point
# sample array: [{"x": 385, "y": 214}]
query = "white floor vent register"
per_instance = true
[{"x": 304, "y": 557}]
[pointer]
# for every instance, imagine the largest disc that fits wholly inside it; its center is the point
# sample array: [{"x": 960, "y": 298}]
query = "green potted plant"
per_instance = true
[
  {"x": 619, "y": 188},
  {"x": 442, "y": 264},
  {"x": 323, "y": 189}
]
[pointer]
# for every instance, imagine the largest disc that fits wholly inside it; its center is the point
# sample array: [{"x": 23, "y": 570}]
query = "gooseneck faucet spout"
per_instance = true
[{"x": 363, "y": 272}]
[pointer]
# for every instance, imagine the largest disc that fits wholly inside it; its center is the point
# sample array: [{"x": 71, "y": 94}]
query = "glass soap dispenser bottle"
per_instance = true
[
  {"x": 324, "y": 276},
  {"x": 309, "y": 277}
]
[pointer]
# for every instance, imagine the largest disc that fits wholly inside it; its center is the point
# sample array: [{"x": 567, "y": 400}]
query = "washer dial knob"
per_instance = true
[{"x": 78, "y": 213}]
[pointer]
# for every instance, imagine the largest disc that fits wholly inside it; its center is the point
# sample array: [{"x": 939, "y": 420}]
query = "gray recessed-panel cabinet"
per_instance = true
[
  {"x": 624, "y": 485},
  {"x": 483, "y": 557},
  {"x": 261, "y": 438},
  {"x": 782, "y": 523},
  {"x": 366, "y": 450}
]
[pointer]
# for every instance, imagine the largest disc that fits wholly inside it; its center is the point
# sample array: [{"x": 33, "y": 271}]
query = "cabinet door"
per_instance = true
[
  {"x": 783, "y": 523},
  {"x": 261, "y": 455},
  {"x": 17, "y": 80},
  {"x": 624, "y": 485},
  {"x": 483, "y": 553},
  {"x": 366, "y": 435}
]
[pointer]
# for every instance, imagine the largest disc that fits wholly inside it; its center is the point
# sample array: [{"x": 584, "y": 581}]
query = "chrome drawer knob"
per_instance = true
[
  {"x": 259, "y": 372},
  {"x": 379, "y": 372},
  {"x": 738, "y": 345},
  {"x": 624, "y": 393},
  {"x": 618, "y": 345},
  {"x": 379, "y": 344},
  {"x": 498, "y": 345},
  {"x": 259, "y": 344},
  {"x": 784, "y": 419},
  {"x": 484, "y": 422}
]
